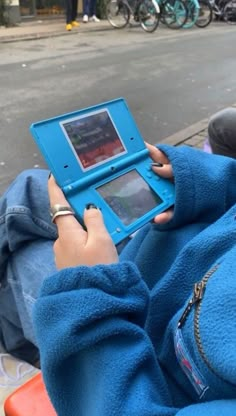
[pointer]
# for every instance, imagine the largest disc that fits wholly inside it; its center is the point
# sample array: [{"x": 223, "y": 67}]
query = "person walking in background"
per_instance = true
[
  {"x": 89, "y": 11},
  {"x": 71, "y": 14}
]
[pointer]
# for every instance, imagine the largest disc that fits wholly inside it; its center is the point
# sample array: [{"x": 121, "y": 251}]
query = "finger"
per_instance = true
[
  {"x": 156, "y": 155},
  {"x": 164, "y": 217},
  {"x": 165, "y": 171},
  {"x": 94, "y": 223},
  {"x": 56, "y": 196}
]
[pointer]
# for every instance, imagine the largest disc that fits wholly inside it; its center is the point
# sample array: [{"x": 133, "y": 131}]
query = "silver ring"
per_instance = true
[{"x": 58, "y": 210}]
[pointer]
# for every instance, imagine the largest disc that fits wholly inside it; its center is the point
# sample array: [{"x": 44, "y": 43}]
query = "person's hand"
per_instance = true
[
  {"x": 166, "y": 172},
  {"x": 75, "y": 246}
]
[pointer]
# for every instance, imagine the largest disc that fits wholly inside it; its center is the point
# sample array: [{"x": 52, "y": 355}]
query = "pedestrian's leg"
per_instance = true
[
  {"x": 68, "y": 12},
  {"x": 86, "y": 10},
  {"x": 92, "y": 10},
  {"x": 222, "y": 132},
  {"x": 74, "y": 10},
  {"x": 26, "y": 258}
]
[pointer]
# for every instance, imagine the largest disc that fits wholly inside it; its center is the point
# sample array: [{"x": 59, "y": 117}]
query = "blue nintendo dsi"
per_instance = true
[{"x": 97, "y": 156}]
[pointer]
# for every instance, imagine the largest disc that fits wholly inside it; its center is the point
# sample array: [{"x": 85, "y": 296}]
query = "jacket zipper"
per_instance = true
[{"x": 198, "y": 293}]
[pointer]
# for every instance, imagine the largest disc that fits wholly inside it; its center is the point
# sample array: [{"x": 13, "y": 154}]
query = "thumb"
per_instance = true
[{"x": 94, "y": 223}]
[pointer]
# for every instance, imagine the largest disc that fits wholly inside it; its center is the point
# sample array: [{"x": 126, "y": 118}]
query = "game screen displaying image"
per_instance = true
[
  {"x": 94, "y": 138},
  {"x": 129, "y": 196}
]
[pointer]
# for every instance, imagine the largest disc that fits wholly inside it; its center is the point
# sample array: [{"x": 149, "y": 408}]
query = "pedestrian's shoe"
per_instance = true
[
  {"x": 85, "y": 18},
  {"x": 74, "y": 24},
  {"x": 94, "y": 18},
  {"x": 68, "y": 26}
]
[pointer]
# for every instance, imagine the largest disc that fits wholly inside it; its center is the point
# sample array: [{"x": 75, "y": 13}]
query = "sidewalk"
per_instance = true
[
  {"x": 39, "y": 29},
  {"x": 193, "y": 135}
]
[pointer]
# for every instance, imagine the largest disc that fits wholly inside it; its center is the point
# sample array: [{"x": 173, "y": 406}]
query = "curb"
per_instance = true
[
  {"x": 192, "y": 134},
  {"x": 44, "y": 35},
  {"x": 17, "y": 38}
]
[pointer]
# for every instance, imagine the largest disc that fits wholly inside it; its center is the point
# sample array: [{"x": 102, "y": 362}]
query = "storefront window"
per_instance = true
[
  {"x": 41, "y": 8},
  {"x": 49, "y": 7}
]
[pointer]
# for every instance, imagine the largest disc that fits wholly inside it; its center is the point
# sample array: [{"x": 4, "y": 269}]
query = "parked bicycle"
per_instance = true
[
  {"x": 174, "y": 13},
  {"x": 146, "y": 12},
  {"x": 205, "y": 14},
  {"x": 229, "y": 13},
  {"x": 193, "y": 13},
  {"x": 223, "y": 9}
]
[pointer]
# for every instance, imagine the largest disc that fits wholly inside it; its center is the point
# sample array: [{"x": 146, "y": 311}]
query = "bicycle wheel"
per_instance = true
[
  {"x": 229, "y": 12},
  {"x": 205, "y": 14},
  {"x": 117, "y": 13},
  {"x": 174, "y": 13},
  {"x": 193, "y": 13},
  {"x": 149, "y": 15}
]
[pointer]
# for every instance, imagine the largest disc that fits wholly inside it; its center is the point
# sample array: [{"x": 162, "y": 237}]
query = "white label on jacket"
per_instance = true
[{"x": 188, "y": 366}]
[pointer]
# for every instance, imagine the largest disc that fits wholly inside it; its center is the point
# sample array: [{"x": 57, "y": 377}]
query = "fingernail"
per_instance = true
[
  {"x": 89, "y": 206},
  {"x": 157, "y": 164},
  {"x": 50, "y": 174}
]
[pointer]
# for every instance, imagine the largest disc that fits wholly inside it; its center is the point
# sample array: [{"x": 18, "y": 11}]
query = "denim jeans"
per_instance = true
[
  {"x": 89, "y": 7},
  {"x": 26, "y": 258},
  {"x": 222, "y": 132}
]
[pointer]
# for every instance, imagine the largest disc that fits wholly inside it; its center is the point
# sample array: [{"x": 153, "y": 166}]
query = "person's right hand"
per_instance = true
[
  {"x": 75, "y": 246},
  {"x": 166, "y": 172}
]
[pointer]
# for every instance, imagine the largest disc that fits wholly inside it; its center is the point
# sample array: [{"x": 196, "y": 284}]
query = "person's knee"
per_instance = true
[
  {"x": 222, "y": 132},
  {"x": 37, "y": 175},
  {"x": 27, "y": 180},
  {"x": 28, "y": 189},
  {"x": 222, "y": 119}
]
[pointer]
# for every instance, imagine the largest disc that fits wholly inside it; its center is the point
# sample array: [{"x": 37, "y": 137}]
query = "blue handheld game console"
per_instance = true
[{"x": 97, "y": 155}]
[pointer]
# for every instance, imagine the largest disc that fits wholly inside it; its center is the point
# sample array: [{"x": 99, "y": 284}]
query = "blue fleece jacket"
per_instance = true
[{"x": 125, "y": 340}]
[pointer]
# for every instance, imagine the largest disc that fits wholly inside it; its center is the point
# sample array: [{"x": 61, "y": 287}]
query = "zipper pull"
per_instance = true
[{"x": 198, "y": 290}]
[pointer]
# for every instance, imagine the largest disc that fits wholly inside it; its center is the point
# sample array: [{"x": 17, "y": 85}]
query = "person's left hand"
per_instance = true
[
  {"x": 165, "y": 171},
  {"x": 75, "y": 246}
]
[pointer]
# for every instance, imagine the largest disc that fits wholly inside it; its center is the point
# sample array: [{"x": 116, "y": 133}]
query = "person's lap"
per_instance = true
[{"x": 26, "y": 239}]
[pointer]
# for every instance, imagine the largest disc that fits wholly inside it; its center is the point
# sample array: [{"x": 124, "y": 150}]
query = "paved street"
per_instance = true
[{"x": 171, "y": 79}]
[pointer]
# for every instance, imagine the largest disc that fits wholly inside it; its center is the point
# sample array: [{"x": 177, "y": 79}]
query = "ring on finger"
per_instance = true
[{"x": 58, "y": 210}]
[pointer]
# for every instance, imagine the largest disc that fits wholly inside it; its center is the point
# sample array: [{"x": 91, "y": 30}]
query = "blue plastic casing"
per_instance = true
[{"x": 97, "y": 155}]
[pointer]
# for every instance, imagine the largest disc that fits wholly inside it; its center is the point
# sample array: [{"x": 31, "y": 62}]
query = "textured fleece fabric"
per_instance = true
[{"x": 108, "y": 335}]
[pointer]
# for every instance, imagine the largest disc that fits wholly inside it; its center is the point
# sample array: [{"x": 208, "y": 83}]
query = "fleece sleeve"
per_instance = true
[
  {"x": 205, "y": 185},
  {"x": 96, "y": 358}
]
